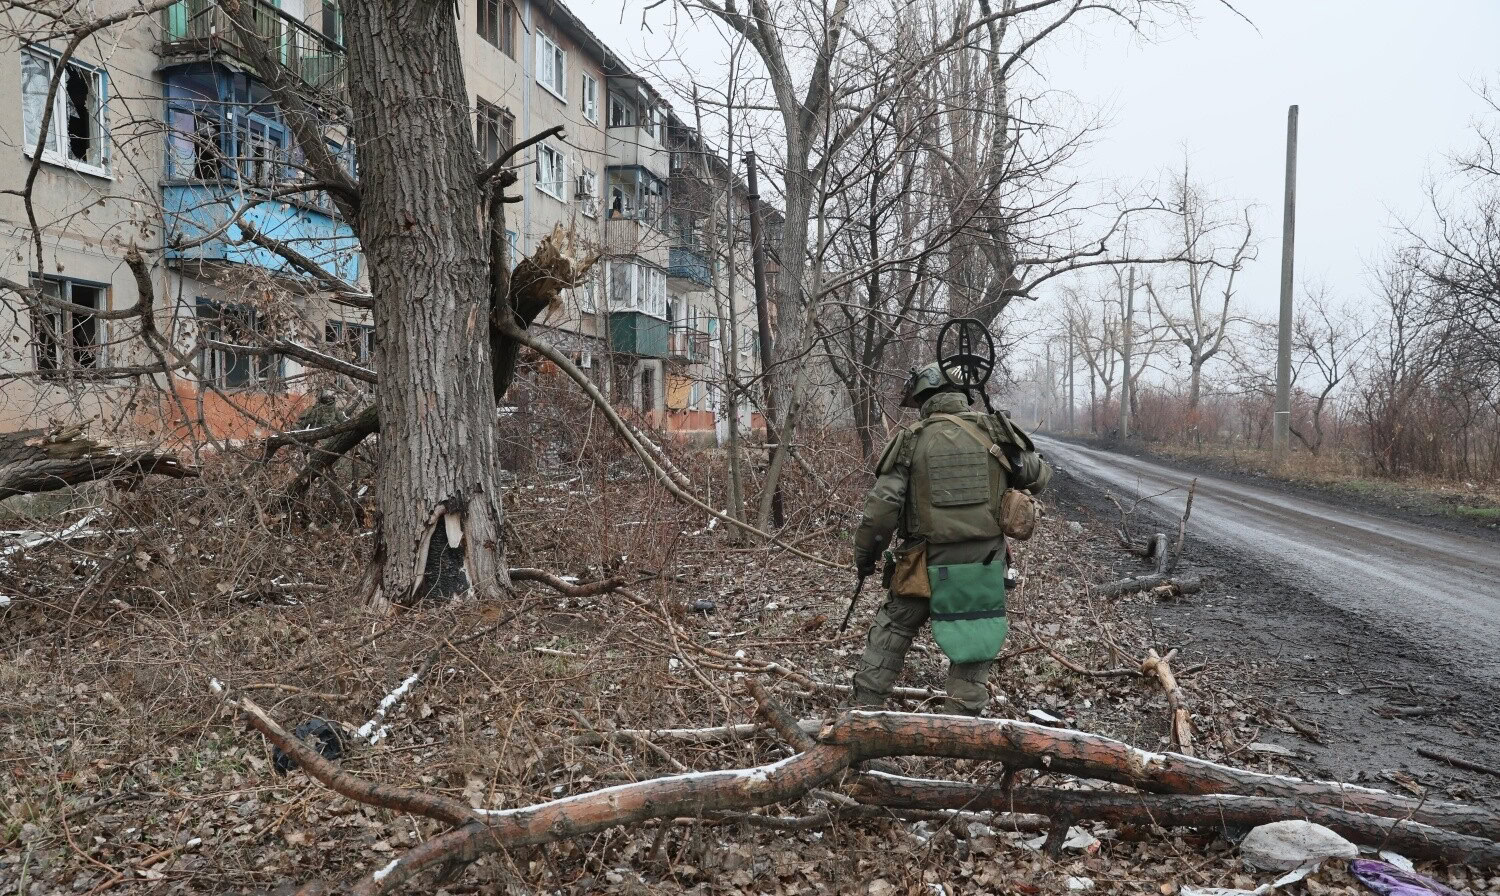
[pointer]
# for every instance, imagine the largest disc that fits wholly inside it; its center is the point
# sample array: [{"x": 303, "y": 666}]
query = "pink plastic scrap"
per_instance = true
[{"x": 1388, "y": 880}]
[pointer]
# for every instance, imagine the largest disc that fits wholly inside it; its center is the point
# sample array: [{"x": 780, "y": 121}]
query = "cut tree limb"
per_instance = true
[
  {"x": 44, "y": 460},
  {"x": 1182, "y": 585},
  {"x": 1181, "y": 724},
  {"x": 1209, "y": 811}
]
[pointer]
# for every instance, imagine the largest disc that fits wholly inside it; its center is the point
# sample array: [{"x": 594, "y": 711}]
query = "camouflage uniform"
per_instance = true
[{"x": 936, "y": 484}]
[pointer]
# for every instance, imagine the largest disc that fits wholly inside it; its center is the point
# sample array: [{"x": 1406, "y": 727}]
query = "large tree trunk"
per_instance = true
[
  {"x": 37, "y": 460},
  {"x": 421, "y": 230}
]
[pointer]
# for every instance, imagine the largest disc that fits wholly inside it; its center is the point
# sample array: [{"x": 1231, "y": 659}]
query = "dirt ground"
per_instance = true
[
  {"x": 122, "y": 772},
  {"x": 1372, "y": 697}
]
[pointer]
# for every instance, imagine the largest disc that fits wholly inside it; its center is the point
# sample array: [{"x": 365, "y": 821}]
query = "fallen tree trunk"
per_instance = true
[
  {"x": 1084, "y": 755},
  {"x": 44, "y": 460},
  {"x": 1183, "y": 584},
  {"x": 855, "y": 737},
  {"x": 1182, "y": 723},
  {"x": 1209, "y": 811}
]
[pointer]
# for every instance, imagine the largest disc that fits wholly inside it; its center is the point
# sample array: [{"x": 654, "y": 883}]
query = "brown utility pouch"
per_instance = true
[
  {"x": 910, "y": 578},
  {"x": 1019, "y": 513}
]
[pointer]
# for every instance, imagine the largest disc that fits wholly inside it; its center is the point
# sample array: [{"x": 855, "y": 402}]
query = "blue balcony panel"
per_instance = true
[
  {"x": 195, "y": 211},
  {"x": 688, "y": 264}
]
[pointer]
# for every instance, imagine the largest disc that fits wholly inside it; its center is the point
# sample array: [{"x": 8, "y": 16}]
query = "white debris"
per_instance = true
[
  {"x": 373, "y": 730},
  {"x": 5, "y": 600},
  {"x": 1080, "y": 839},
  {"x": 1285, "y": 845},
  {"x": 1080, "y": 883},
  {"x": 1075, "y": 527},
  {"x": 1397, "y": 859},
  {"x": 1041, "y": 715},
  {"x": 381, "y": 874},
  {"x": 1269, "y": 749}
]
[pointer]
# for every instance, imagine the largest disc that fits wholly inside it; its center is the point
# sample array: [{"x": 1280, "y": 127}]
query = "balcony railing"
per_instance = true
[
  {"x": 689, "y": 264},
  {"x": 195, "y": 27},
  {"x": 686, "y": 343}
]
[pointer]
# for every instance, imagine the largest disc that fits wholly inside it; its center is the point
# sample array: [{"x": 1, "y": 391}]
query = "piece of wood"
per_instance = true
[
  {"x": 1218, "y": 812},
  {"x": 1182, "y": 585},
  {"x": 1459, "y": 762},
  {"x": 44, "y": 460},
  {"x": 1181, "y": 720},
  {"x": 1187, "y": 511}
]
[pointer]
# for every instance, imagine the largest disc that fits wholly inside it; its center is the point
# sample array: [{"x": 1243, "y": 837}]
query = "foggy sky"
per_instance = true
[{"x": 1385, "y": 91}]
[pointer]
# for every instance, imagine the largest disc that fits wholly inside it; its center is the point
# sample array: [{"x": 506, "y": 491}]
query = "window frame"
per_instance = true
[
  {"x": 504, "y": 120},
  {"x": 590, "y": 98},
  {"x": 591, "y": 204},
  {"x": 60, "y": 339},
  {"x": 341, "y": 335},
  {"x": 267, "y": 372},
  {"x": 57, "y": 125},
  {"x": 557, "y": 185},
  {"x": 556, "y": 67}
]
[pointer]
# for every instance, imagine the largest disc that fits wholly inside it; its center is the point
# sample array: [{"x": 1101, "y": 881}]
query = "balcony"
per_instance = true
[
  {"x": 634, "y": 333},
  {"x": 200, "y": 28},
  {"x": 686, "y": 343},
  {"x": 690, "y": 265},
  {"x": 632, "y": 146},
  {"x": 200, "y": 211}
]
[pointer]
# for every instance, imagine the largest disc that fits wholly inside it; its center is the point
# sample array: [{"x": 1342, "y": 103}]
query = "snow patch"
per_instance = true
[{"x": 381, "y": 874}]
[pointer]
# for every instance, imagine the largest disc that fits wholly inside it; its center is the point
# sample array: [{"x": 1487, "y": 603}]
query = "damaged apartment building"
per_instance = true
[{"x": 161, "y": 138}]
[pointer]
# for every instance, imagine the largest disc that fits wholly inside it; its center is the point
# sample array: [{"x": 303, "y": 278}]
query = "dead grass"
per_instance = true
[{"x": 121, "y": 772}]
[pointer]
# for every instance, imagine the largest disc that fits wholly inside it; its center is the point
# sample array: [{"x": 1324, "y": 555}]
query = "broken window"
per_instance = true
[
  {"x": 78, "y": 132},
  {"x": 239, "y": 365},
  {"x": 349, "y": 341},
  {"x": 495, "y": 129},
  {"x": 67, "y": 339}
]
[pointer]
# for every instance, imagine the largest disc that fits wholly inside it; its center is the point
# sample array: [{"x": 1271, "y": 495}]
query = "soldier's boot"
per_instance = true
[{"x": 968, "y": 689}]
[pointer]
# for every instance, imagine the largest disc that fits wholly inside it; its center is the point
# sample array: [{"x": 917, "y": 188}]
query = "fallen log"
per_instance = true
[
  {"x": 1066, "y": 751},
  {"x": 855, "y": 737},
  {"x": 1182, "y": 723},
  {"x": 1209, "y": 811},
  {"x": 1182, "y": 584},
  {"x": 44, "y": 460}
]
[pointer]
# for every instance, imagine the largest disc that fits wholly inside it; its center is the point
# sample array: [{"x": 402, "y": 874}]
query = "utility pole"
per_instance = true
[
  {"x": 1281, "y": 427},
  {"x": 1126, "y": 338},
  {"x": 763, "y": 321}
]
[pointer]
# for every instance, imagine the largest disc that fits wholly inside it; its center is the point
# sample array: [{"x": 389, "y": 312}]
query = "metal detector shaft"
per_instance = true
[{"x": 850, "y": 612}]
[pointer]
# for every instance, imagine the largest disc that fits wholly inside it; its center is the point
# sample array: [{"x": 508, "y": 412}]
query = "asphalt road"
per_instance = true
[{"x": 1436, "y": 588}]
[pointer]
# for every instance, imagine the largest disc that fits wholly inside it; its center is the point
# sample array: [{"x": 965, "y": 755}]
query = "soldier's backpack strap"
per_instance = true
[
  {"x": 984, "y": 441},
  {"x": 1013, "y": 433}
]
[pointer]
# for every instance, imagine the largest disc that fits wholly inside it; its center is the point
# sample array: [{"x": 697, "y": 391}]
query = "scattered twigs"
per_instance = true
[
  {"x": 1182, "y": 724},
  {"x": 1074, "y": 667},
  {"x": 39, "y": 460},
  {"x": 1459, "y": 762}
]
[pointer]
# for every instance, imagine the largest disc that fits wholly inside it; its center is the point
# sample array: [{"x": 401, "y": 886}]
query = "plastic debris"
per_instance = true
[
  {"x": 704, "y": 606},
  {"x": 1387, "y": 879},
  {"x": 329, "y": 743},
  {"x": 1041, "y": 715},
  {"x": 1285, "y": 845},
  {"x": 1080, "y": 883}
]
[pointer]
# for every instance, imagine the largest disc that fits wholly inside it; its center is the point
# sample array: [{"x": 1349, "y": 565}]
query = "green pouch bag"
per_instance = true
[{"x": 968, "y": 610}]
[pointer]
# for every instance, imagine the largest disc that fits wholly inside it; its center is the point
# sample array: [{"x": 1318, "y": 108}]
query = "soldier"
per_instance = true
[{"x": 940, "y": 483}]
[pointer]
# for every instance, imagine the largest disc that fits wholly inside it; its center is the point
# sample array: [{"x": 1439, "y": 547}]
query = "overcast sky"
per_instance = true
[{"x": 1385, "y": 90}]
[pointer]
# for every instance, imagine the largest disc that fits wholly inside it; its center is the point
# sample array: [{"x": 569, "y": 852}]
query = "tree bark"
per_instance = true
[
  {"x": 38, "y": 460},
  {"x": 421, "y": 229},
  {"x": 1210, "y": 811}
]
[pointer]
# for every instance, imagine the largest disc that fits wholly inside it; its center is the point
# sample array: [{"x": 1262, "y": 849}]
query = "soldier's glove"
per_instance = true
[{"x": 864, "y": 564}]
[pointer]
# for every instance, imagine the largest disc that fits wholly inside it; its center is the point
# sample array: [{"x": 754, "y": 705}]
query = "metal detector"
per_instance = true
[{"x": 972, "y": 359}]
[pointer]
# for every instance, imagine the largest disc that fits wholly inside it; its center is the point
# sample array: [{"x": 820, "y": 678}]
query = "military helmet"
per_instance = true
[{"x": 922, "y": 383}]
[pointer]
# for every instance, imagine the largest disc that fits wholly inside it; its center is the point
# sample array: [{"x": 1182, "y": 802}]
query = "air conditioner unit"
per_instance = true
[{"x": 581, "y": 188}]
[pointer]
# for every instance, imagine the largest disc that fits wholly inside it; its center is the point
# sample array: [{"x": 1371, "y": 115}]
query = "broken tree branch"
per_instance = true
[
  {"x": 44, "y": 460},
  {"x": 1181, "y": 724},
  {"x": 1187, "y": 511}
]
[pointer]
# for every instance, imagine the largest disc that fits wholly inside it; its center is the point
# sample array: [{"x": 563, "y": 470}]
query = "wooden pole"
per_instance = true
[{"x": 1282, "y": 422}]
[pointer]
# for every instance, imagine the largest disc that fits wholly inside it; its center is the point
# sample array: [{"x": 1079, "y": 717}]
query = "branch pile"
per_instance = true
[{"x": 1130, "y": 786}]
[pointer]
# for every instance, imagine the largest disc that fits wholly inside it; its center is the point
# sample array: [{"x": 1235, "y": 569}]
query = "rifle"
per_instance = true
[{"x": 850, "y": 612}]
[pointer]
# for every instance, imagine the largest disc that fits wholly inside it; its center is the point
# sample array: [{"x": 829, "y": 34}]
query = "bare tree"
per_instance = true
[
  {"x": 1214, "y": 247},
  {"x": 1327, "y": 340}
]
